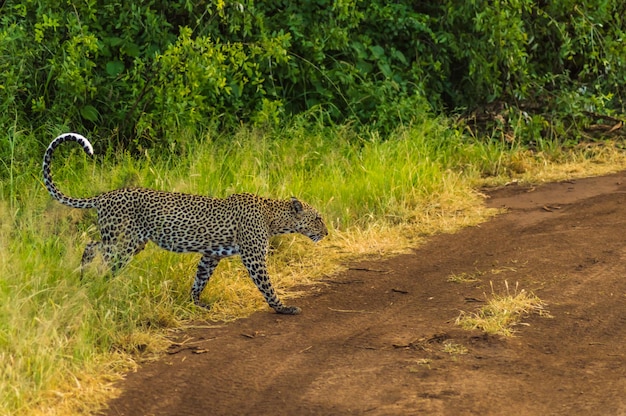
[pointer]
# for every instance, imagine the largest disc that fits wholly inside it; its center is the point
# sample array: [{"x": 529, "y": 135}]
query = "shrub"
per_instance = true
[{"x": 139, "y": 72}]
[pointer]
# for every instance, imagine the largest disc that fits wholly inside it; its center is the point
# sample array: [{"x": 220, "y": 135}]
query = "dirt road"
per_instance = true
[{"x": 371, "y": 340}]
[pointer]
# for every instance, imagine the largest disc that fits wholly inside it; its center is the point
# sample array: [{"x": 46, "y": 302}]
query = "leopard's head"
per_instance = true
[{"x": 302, "y": 218}]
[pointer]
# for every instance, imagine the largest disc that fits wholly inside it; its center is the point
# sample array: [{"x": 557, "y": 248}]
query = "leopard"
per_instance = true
[{"x": 239, "y": 224}]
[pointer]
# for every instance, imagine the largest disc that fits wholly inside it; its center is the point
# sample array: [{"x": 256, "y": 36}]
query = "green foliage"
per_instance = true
[
  {"x": 140, "y": 72},
  {"x": 557, "y": 66}
]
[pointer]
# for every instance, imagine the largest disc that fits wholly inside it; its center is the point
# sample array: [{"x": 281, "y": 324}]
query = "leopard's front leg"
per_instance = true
[
  {"x": 205, "y": 269},
  {"x": 256, "y": 265}
]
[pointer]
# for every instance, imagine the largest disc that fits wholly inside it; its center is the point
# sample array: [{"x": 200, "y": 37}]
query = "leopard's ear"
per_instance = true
[{"x": 297, "y": 207}]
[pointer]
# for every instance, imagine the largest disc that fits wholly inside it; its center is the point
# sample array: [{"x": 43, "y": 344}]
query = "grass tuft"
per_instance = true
[
  {"x": 502, "y": 312},
  {"x": 454, "y": 349},
  {"x": 465, "y": 277}
]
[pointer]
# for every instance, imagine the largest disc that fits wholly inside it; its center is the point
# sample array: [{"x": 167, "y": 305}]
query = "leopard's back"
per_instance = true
[{"x": 175, "y": 221}]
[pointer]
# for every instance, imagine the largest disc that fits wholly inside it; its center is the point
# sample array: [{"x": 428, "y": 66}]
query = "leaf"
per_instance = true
[
  {"x": 131, "y": 49},
  {"x": 385, "y": 69},
  {"x": 114, "y": 68},
  {"x": 113, "y": 40},
  {"x": 399, "y": 56},
  {"x": 89, "y": 113},
  {"x": 377, "y": 51},
  {"x": 359, "y": 49},
  {"x": 364, "y": 67}
]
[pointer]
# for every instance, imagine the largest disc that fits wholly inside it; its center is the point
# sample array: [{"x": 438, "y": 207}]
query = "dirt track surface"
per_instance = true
[{"x": 371, "y": 340}]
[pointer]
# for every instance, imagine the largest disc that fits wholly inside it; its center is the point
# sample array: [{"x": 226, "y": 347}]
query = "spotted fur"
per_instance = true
[{"x": 240, "y": 224}]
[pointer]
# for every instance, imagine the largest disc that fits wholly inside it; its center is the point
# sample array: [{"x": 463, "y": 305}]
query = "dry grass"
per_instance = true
[
  {"x": 465, "y": 277},
  {"x": 454, "y": 349},
  {"x": 586, "y": 160},
  {"x": 502, "y": 312}
]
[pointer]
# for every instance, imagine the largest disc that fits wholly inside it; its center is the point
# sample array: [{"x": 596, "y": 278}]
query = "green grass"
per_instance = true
[{"x": 62, "y": 340}]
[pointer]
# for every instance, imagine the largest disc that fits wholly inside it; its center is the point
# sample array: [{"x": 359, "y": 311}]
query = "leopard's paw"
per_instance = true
[{"x": 289, "y": 310}]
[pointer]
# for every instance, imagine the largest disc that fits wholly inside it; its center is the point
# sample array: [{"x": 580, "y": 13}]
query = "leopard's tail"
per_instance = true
[{"x": 47, "y": 176}]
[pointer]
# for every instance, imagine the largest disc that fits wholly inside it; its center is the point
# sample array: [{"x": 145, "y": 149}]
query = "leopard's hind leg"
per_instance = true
[
  {"x": 205, "y": 269},
  {"x": 90, "y": 253},
  {"x": 116, "y": 256}
]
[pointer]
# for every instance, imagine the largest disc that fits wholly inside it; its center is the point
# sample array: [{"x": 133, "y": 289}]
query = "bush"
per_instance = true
[
  {"x": 557, "y": 62},
  {"x": 139, "y": 72}
]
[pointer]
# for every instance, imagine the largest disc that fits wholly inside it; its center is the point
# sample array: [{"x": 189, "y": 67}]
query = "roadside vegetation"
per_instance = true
[
  {"x": 64, "y": 339},
  {"x": 386, "y": 118}
]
